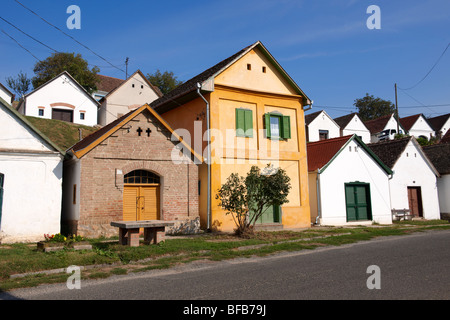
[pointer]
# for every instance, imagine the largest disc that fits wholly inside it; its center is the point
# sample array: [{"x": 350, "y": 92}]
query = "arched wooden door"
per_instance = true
[{"x": 141, "y": 196}]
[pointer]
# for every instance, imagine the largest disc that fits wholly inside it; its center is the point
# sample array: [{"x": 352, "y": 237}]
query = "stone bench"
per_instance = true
[
  {"x": 154, "y": 231},
  {"x": 398, "y": 214}
]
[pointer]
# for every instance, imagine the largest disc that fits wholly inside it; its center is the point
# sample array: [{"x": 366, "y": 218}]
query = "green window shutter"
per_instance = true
[
  {"x": 248, "y": 115},
  {"x": 240, "y": 122},
  {"x": 267, "y": 123},
  {"x": 286, "y": 131}
]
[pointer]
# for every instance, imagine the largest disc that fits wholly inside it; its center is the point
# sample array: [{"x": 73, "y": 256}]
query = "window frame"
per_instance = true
[
  {"x": 246, "y": 121},
  {"x": 284, "y": 126}
]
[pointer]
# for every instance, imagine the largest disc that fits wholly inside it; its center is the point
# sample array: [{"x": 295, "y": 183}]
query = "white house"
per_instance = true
[
  {"x": 5, "y": 94},
  {"x": 384, "y": 128},
  {"x": 105, "y": 85},
  {"x": 129, "y": 95},
  {"x": 31, "y": 173},
  {"x": 348, "y": 184},
  {"x": 351, "y": 124},
  {"x": 439, "y": 154},
  {"x": 320, "y": 126},
  {"x": 414, "y": 184},
  {"x": 417, "y": 126},
  {"x": 61, "y": 98},
  {"x": 440, "y": 124}
]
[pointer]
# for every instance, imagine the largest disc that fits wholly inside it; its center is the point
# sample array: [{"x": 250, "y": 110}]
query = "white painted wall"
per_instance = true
[
  {"x": 352, "y": 166},
  {"x": 62, "y": 90},
  {"x": 443, "y": 184},
  {"x": 391, "y": 125},
  {"x": 356, "y": 126},
  {"x": 72, "y": 174},
  {"x": 445, "y": 127},
  {"x": 412, "y": 170},
  {"x": 322, "y": 122},
  {"x": 421, "y": 128},
  {"x": 5, "y": 95},
  {"x": 32, "y": 183},
  {"x": 131, "y": 95}
]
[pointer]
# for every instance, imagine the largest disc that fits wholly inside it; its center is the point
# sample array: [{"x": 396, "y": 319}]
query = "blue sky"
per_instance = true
[{"x": 324, "y": 45}]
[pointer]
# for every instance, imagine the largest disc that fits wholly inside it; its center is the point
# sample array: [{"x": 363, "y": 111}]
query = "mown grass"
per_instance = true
[{"x": 118, "y": 260}]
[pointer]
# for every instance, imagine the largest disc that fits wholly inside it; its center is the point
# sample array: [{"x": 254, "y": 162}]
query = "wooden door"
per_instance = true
[
  {"x": 415, "y": 201},
  {"x": 270, "y": 215},
  {"x": 141, "y": 203},
  {"x": 64, "y": 115},
  {"x": 358, "y": 204}
]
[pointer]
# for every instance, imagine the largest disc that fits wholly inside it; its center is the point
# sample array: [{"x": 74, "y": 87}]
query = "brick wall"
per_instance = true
[{"x": 104, "y": 167}]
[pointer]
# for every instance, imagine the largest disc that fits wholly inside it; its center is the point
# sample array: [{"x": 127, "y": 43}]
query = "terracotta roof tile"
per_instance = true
[
  {"x": 408, "y": 122},
  {"x": 439, "y": 155},
  {"x": 108, "y": 84},
  {"x": 321, "y": 152},
  {"x": 377, "y": 125},
  {"x": 390, "y": 150},
  {"x": 437, "y": 122}
]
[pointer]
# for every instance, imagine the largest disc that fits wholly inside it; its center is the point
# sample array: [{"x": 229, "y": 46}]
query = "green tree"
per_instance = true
[
  {"x": 166, "y": 81},
  {"x": 370, "y": 108},
  {"x": 73, "y": 63},
  {"x": 20, "y": 85},
  {"x": 246, "y": 199}
]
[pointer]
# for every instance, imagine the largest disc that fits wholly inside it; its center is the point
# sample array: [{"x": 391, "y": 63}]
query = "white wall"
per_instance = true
[
  {"x": 356, "y": 126},
  {"x": 72, "y": 174},
  {"x": 443, "y": 184},
  {"x": 62, "y": 90},
  {"x": 421, "y": 128},
  {"x": 352, "y": 166},
  {"x": 391, "y": 125},
  {"x": 126, "y": 98},
  {"x": 322, "y": 122},
  {"x": 411, "y": 170},
  {"x": 5, "y": 95}
]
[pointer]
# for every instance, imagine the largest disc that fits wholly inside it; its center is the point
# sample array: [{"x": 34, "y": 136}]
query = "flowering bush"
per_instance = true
[{"x": 55, "y": 238}]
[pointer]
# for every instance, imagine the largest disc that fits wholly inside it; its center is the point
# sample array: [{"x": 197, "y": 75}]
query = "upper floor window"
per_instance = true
[
  {"x": 141, "y": 176},
  {"x": 323, "y": 134},
  {"x": 277, "y": 126},
  {"x": 244, "y": 123}
]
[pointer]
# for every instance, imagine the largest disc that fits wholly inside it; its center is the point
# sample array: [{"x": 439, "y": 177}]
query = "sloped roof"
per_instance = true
[
  {"x": 389, "y": 151},
  {"x": 437, "y": 122},
  {"x": 321, "y": 153},
  {"x": 377, "y": 125},
  {"x": 94, "y": 139},
  {"x": 108, "y": 84},
  {"x": 169, "y": 100},
  {"x": 310, "y": 117},
  {"x": 408, "y": 122},
  {"x": 26, "y": 123},
  {"x": 7, "y": 91},
  {"x": 439, "y": 155},
  {"x": 446, "y": 137}
]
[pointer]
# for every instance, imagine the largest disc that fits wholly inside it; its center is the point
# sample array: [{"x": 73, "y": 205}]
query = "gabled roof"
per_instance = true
[
  {"x": 439, "y": 155},
  {"x": 26, "y": 123},
  {"x": 446, "y": 137},
  {"x": 389, "y": 151},
  {"x": 313, "y": 116},
  {"x": 8, "y": 92},
  {"x": 377, "y": 125},
  {"x": 184, "y": 92},
  {"x": 408, "y": 122},
  {"x": 108, "y": 84},
  {"x": 321, "y": 153},
  {"x": 65, "y": 73},
  {"x": 90, "y": 142},
  {"x": 345, "y": 120},
  {"x": 438, "y": 122},
  {"x": 146, "y": 83}
]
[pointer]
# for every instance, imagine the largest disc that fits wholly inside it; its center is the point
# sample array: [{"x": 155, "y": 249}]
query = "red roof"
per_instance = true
[
  {"x": 408, "y": 122},
  {"x": 446, "y": 138},
  {"x": 377, "y": 125},
  {"x": 108, "y": 84},
  {"x": 321, "y": 152}
]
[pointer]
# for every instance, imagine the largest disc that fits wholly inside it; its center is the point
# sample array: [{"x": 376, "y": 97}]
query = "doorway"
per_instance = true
[{"x": 415, "y": 201}]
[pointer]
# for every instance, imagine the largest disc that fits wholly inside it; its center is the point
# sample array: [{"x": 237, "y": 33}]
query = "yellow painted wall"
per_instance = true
[{"x": 312, "y": 178}]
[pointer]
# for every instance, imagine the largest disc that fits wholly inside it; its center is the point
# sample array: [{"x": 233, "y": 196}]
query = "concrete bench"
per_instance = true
[
  {"x": 398, "y": 214},
  {"x": 154, "y": 231}
]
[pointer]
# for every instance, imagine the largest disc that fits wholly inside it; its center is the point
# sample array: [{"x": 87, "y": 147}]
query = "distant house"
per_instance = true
[
  {"x": 320, "y": 126},
  {"x": 351, "y": 124},
  {"x": 440, "y": 125},
  {"x": 384, "y": 128},
  {"x": 61, "y": 98},
  {"x": 31, "y": 173},
  {"x": 105, "y": 85},
  {"x": 439, "y": 154},
  {"x": 417, "y": 126},
  {"x": 5, "y": 94},
  {"x": 348, "y": 184},
  {"x": 127, "y": 96},
  {"x": 413, "y": 185}
]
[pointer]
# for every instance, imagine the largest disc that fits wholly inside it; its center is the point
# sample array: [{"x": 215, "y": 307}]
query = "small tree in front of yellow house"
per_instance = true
[{"x": 246, "y": 199}]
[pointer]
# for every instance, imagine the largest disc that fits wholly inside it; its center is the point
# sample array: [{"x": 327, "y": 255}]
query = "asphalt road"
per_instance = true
[{"x": 409, "y": 268}]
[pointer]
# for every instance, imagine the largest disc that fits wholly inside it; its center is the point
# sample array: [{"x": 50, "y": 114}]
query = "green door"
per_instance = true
[
  {"x": 2, "y": 177},
  {"x": 270, "y": 215},
  {"x": 357, "y": 198}
]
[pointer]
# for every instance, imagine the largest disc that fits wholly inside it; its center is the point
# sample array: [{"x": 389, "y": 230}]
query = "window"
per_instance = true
[
  {"x": 244, "y": 123},
  {"x": 249, "y": 66},
  {"x": 277, "y": 126},
  {"x": 264, "y": 69},
  {"x": 82, "y": 115},
  {"x": 323, "y": 134},
  {"x": 141, "y": 176},
  {"x": 41, "y": 112}
]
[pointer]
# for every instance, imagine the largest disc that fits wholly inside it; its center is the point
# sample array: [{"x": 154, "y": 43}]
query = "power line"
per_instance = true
[
  {"x": 435, "y": 64},
  {"x": 21, "y": 46},
  {"x": 68, "y": 36}
]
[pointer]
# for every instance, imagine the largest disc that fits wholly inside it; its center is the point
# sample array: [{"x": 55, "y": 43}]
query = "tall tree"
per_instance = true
[
  {"x": 73, "y": 63},
  {"x": 370, "y": 108},
  {"x": 166, "y": 81},
  {"x": 20, "y": 85}
]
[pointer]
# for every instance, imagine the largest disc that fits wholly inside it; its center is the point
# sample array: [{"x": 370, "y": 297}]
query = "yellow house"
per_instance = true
[{"x": 255, "y": 115}]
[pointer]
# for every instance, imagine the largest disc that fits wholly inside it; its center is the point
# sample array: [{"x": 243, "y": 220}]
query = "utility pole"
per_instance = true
[
  {"x": 396, "y": 108},
  {"x": 126, "y": 63}
]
